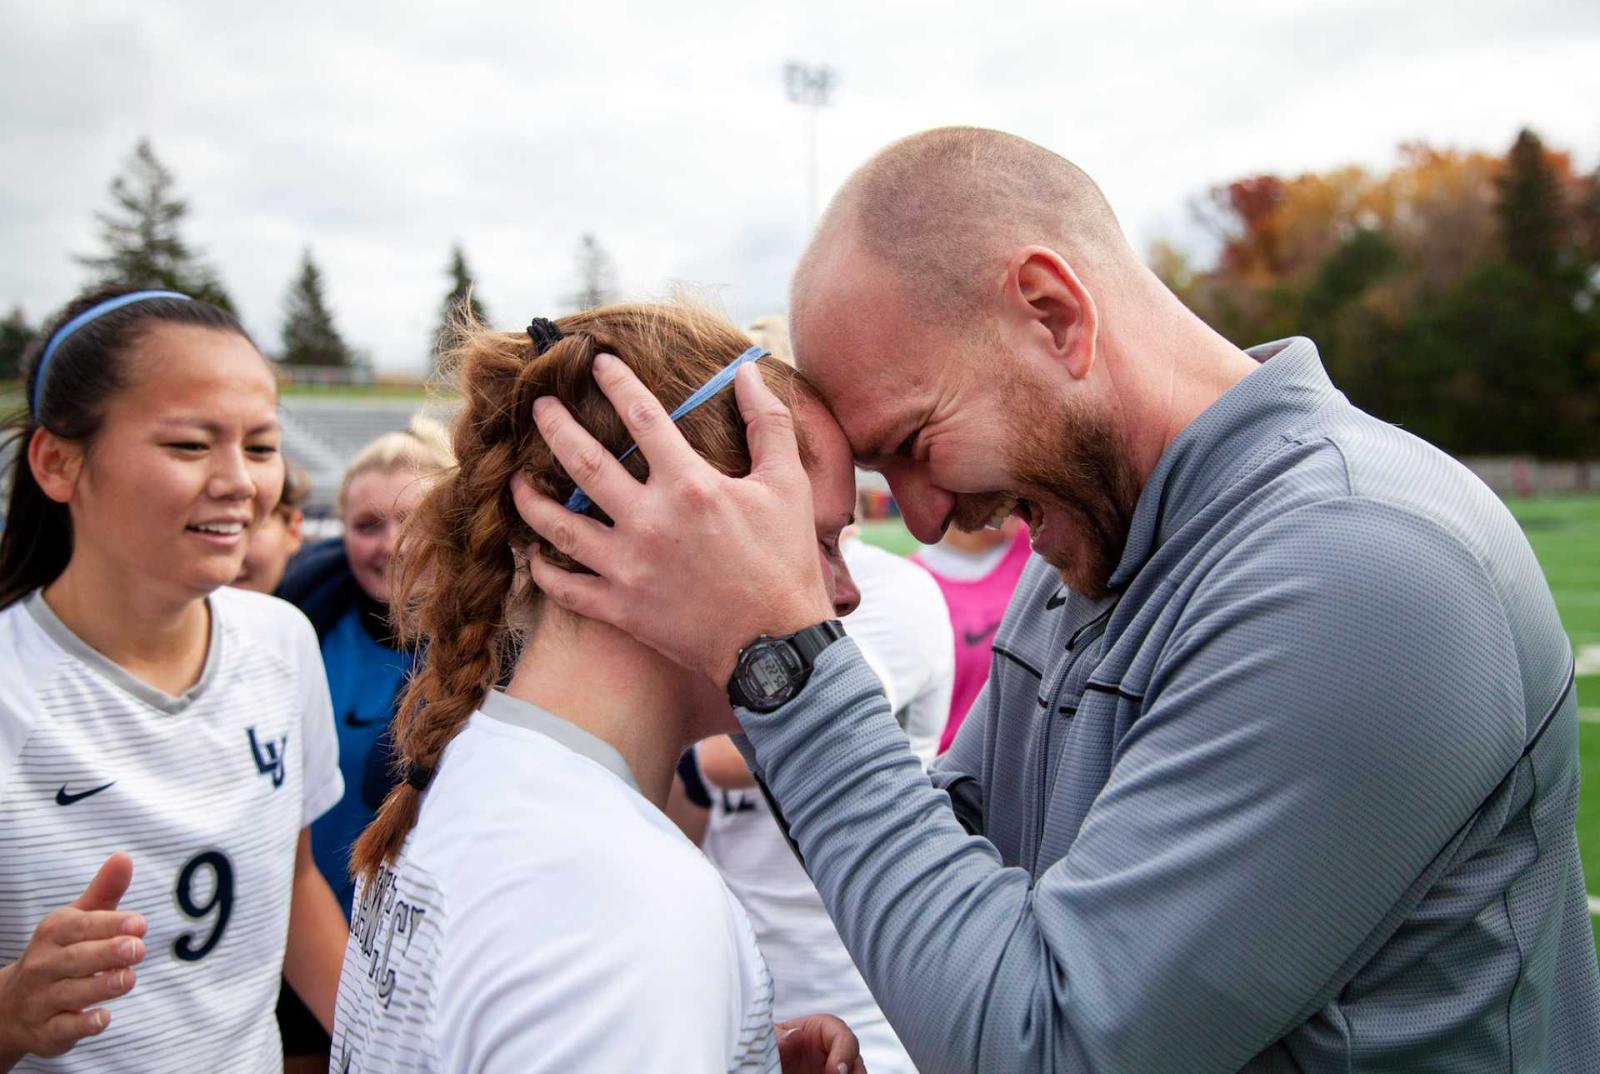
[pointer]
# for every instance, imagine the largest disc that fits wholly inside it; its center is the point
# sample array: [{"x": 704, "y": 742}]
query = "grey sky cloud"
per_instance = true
[{"x": 379, "y": 133}]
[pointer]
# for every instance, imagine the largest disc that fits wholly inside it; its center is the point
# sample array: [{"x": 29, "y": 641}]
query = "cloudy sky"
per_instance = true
[{"x": 380, "y": 132}]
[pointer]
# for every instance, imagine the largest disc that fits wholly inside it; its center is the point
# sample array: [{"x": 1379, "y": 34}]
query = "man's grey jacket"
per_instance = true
[{"x": 1299, "y": 798}]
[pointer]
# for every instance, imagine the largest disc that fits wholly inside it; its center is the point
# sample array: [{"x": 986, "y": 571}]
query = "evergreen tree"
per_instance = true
[
  {"x": 141, "y": 239},
  {"x": 1337, "y": 309},
  {"x": 596, "y": 275},
  {"x": 15, "y": 335},
  {"x": 309, "y": 334},
  {"x": 462, "y": 298},
  {"x": 1531, "y": 208}
]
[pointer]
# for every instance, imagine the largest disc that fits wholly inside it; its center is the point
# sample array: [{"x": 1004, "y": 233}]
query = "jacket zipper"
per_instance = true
[{"x": 1083, "y": 638}]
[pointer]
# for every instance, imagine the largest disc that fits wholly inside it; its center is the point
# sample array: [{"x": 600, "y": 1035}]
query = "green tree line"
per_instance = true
[
  {"x": 1456, "y": 294},
  {"x": 142, "y": 245}
]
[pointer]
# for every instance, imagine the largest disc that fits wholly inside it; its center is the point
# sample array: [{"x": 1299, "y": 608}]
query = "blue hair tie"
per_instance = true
[
  {"x": 579, "y": 500},
  {"x": 90, "y": 314}
]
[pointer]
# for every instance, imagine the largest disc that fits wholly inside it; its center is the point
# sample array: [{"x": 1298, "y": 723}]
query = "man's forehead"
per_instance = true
[
  {"x": 831, "y": 472},
  {"x": 866, "y": 358},
  {"x": 877, "y": 426},
  {"x": 873, "y": 398},
  {"x": 849, "y": 304}
]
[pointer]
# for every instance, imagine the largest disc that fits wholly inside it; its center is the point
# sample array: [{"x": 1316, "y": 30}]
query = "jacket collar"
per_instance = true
[{"x": 1208, "y": 454}]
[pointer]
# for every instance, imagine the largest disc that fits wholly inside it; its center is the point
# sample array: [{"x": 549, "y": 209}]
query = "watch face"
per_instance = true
[
  {"x": 770, "y": 672},
  {"x": 767, "y": 675}
]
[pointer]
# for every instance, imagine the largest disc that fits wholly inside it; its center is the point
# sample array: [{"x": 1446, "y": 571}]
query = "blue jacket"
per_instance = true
[
  {"x": 366, "y": 672},
  {"x": 318, "y": 581}
]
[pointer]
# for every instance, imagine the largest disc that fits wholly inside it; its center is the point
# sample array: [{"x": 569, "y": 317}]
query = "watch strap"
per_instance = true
[
  {"x": 805, "y": 644},
  {"x": 810, "y": 642}
]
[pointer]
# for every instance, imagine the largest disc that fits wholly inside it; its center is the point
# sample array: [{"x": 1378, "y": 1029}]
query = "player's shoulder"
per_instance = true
[
  {"x": 19, "y": 632},
  {"x": 563, "y": 827},
  {"x": 870, "y": 559},
  {"x": 876, "y": 570},
  {"x": 264, "y": 620},
  {"x": 667, "y": 893},
  {"x": 645, "y": 862},
  {"x": 552, "y": 804},
  {"x": 28, "y": 651},
  {"x": 28, "y": 658},
  {"x": 605, "y": 917},
  {"x": 248, "y": 605},
  {"x": 662, "y": 900},
  {"x": 910, "y": 579}
]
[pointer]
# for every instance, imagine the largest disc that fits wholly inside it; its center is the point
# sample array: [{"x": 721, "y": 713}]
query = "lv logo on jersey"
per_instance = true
[{"x": 269, "y": 756}]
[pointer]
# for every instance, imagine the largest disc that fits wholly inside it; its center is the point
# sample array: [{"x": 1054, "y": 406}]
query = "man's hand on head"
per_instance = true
[{"x": 698, "y": 564}]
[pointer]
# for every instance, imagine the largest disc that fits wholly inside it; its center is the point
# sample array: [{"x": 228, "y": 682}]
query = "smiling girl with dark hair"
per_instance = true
[{"x": 156, "y": 725}]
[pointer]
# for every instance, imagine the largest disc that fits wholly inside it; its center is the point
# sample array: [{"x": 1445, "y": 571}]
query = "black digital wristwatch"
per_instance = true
[{"x": 772, "y": 670}]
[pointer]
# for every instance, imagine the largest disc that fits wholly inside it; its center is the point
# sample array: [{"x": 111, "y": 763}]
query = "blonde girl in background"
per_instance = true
[{"x": 342, "y": 585}]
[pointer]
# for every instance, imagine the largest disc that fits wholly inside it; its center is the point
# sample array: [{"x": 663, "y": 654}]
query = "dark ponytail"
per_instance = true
[{"x": 86, "y": 370}]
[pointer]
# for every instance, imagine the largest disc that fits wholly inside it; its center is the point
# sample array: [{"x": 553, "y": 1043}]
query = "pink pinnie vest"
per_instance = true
[{"x": 976, "y": 608}]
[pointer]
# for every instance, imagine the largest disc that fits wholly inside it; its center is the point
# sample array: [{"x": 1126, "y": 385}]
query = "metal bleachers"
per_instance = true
[{"x": 323, "y": 435}]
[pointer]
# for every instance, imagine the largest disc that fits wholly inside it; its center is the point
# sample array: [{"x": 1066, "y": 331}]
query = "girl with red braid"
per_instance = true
[{"x": 523, "y": 902}]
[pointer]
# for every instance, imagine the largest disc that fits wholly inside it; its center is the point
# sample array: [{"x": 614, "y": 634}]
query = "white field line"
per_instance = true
[{"x": 1588, "y": 660}]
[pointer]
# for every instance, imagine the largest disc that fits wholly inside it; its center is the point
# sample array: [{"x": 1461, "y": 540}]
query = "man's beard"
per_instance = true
[{"x": 1074, "y": 463}]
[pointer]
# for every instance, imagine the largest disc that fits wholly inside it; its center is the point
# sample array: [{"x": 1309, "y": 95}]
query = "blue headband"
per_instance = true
[
  {"x": 90, "y": 314},
  {"x": 580, "y": 502}
]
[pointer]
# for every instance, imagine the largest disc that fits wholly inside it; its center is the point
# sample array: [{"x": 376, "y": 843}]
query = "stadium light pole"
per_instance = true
[{"x": 812, "y": 88}]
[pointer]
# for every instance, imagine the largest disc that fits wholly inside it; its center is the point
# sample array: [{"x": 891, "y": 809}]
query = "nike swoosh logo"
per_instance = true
[
  {"x": 352, "y": 720},
  {"x": 981, "y": 636},
  {"x": 1056, "y": 601},
  {"x": 63, "y": 798}
]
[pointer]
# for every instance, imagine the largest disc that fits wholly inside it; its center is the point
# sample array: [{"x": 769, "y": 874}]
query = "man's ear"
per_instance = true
[
  {"x": 56, "y": 463},
  {"x": 1054, "y": 306}
]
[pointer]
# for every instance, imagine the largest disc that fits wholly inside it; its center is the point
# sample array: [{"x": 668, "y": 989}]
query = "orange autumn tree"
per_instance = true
[{"x": 1454, "y": 293}]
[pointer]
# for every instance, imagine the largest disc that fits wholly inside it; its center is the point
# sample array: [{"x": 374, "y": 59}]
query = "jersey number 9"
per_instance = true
[{"x": 220, "y": 900}]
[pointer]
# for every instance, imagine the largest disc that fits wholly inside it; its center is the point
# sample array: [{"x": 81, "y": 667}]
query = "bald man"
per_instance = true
[{"x": 1276, "y": 765}]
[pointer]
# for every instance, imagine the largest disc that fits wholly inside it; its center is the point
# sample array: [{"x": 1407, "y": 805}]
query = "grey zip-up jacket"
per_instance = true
[{"x": 1300, "y": 798}]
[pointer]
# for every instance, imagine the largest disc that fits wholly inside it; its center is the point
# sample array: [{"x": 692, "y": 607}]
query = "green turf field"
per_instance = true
[
  {"x": 890, "y": 534},
  {"x": 1565, "y": 534}
]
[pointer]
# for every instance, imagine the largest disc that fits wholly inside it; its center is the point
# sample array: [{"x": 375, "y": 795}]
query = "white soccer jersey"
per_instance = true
[
  {"x": 544, "y": 916},
  {"x": 207, "y": 791},
  {"x": 902, "y": 627},
  {"x": 812, "y": 973}
]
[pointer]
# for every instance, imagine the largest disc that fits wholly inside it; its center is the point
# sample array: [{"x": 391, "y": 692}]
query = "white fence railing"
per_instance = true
[{"x": 1516, "y": 475}]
